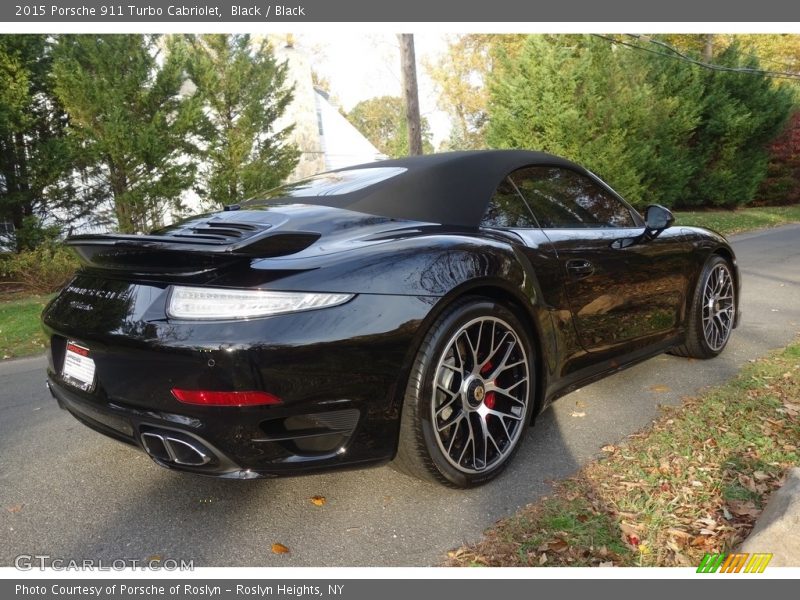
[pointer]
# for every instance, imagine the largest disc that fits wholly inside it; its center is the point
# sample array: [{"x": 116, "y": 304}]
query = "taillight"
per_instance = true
[{"x": 215, "y": 398}]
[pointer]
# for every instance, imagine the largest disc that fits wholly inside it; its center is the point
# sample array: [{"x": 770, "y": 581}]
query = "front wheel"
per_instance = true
[
  {"x": 469, "y": 396},
  {"x": 713, "y": 311}
]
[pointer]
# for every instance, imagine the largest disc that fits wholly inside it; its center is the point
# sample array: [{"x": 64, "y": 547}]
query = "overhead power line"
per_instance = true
[{"x": 675, "y": 54}]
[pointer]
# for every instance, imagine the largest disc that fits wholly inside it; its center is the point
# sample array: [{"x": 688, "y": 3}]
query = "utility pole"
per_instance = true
[{"x": 408, "y": 64}]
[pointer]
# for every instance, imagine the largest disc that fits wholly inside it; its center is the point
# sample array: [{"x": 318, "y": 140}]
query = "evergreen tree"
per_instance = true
[
  {"x": 656, "y": 128},
  {"x": 34, "y": 154},
  {"x": 383, "y": 122},
  {"x": 579, "y": 97},
  {"x": 741, "y": 114},
  {"x": 130, "y": 126},
  {"x": 244, "y": 93}
]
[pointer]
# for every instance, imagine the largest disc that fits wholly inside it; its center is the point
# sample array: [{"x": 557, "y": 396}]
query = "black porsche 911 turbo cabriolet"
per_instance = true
[{"x": 421, "y": 310}]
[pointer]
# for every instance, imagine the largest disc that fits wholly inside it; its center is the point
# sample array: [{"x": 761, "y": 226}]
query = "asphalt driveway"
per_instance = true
[{"x": 71, "y": 493}]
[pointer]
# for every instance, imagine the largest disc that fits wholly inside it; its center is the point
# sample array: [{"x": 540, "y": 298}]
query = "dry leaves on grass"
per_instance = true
[{"x": 694, "y": 482}]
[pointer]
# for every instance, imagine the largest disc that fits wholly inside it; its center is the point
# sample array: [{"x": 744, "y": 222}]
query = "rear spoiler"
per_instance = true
[{"x": 171, "y": 253}]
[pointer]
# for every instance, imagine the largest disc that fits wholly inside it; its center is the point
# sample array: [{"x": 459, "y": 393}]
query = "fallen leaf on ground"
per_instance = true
[
  {"x": 318, "y": 500},
  {"x": 279, "y": 549},
  {"x": 700, "y": 541},
  {"x": 791, "y": 408},
  {"x": 747, "y": 482},
  {"x": 15, "y": 508},
  {"x": 678, "y": 534},
  {"x": 630, "y": 534},
  {"x": 660, "y": 388},
  {"x": 743, "y": 509},
  {"x": 577, "y": 414},
  {"x": 558, "y": 545}
]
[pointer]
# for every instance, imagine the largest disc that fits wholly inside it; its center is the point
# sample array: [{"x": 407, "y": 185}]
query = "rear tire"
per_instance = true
[
  {"x": 469, "y": 396},
  {"x": 713, "y": 312}
]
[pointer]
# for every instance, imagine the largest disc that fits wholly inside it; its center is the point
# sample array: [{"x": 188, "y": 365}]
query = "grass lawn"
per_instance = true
[
  {"x": 20, "y": 331},
  {"x": 692, "y": 483},
  {"x": 735, "y": 221}
]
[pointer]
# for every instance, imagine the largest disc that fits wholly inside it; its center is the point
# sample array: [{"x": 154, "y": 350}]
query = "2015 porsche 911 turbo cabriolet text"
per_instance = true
[{"x": 421, "y": 310}]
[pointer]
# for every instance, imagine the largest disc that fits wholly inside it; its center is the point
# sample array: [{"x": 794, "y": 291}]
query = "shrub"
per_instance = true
[
  {"x": 655, "y": 128},
  {"x": 42, "y": 270},
  {"x": 782, "y": 185}
]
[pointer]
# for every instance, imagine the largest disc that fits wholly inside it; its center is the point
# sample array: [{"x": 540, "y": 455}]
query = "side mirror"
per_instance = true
[{"x": 657, "y": 218}]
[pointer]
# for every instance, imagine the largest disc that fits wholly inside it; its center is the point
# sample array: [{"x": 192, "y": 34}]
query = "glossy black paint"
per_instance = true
[{"x": 595, "y": 301}]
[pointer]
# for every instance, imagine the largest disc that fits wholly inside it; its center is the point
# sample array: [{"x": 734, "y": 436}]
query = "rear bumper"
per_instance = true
[
  {"x": 340, "y": 373},
  {"x": 135, "y": 427}
]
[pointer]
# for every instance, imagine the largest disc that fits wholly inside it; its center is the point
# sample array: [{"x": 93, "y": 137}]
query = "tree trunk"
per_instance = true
[
  {"x": 410, "y": 92},
  {"x": 125, "y": 212},
  {"x": 708, "y": 47}
]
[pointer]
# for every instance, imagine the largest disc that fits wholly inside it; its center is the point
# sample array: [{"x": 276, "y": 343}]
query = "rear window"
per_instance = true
[{"x": 335, "y": 183}]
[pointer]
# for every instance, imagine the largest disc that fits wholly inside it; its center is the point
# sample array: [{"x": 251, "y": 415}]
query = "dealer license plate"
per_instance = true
[{"x": 78, "y": 367}]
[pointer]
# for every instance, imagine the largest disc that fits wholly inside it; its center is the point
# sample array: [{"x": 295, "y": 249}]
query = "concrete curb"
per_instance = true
[{"x": 777, "y": 529}]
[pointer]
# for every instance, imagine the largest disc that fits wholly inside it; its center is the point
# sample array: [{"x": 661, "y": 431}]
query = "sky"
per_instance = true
[{"x": 360, "y": 66}]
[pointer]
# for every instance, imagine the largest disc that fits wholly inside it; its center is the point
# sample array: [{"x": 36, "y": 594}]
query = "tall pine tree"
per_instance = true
[
  {"x": 34, "y": 157},
  {"x": 579, "y": 97},
  {"x": 130, "y": 124},
  {"x": 244, "y": 93},
  {"x": 656, "y": 128},
  {"x": 741, "y": 114}
]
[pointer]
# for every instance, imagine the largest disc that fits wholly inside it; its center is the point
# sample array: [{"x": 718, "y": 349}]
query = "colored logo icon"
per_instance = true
[{"x": 734, "y": 563}]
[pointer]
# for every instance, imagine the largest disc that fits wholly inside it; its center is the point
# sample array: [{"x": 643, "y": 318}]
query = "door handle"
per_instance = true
[{"x": 579, "y": 268}]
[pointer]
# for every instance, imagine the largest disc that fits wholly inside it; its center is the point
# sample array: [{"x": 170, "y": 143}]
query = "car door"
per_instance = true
[
  {"x": 622, "y": 291},
  {"x": 508, "y": 213}
]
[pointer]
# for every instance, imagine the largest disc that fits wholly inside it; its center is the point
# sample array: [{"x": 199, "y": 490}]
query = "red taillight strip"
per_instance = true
[{"x": 214, "y": 398}]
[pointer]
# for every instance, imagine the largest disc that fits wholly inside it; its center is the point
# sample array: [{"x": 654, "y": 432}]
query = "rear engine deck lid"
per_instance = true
[{"x": 195, "y": 245}]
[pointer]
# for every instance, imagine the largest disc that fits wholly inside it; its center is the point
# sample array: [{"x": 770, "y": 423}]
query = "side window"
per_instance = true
[
  {"x": 507, "y": 209},
  {"x": 561, "y": 198}
]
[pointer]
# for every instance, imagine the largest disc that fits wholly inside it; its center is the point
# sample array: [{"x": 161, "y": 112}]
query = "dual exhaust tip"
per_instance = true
[{"x": 171, "y": 447}]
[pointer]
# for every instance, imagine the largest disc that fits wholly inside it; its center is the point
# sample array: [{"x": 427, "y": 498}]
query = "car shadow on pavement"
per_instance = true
[{"x": 123, "y": 506}]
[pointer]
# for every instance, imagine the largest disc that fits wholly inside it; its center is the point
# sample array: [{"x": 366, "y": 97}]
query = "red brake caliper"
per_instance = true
[{"x": 489, "y": 399}]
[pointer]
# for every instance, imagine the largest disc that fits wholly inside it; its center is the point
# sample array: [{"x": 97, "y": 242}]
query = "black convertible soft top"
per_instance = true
[{"x": 451, "y": 188}]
